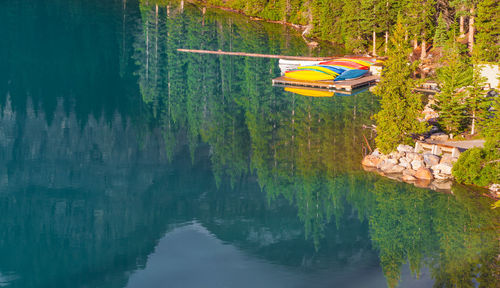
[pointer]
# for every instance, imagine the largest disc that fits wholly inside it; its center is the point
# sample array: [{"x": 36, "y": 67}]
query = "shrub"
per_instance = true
[{"x": 478, "y": 166}]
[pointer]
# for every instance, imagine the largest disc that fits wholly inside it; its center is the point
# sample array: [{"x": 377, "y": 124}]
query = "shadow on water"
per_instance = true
[{"x": 124, "y": 162}]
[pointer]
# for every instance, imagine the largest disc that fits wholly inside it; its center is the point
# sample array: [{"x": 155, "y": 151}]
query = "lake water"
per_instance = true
[{"x": 125, "y": 163}]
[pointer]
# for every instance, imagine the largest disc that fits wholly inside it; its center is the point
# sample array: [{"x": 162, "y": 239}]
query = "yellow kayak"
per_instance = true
[
  {"x": 309, "y": 92},
  {"x": 311, "y": 74}
]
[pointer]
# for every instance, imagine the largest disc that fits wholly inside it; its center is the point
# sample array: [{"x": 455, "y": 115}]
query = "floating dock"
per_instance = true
[{"x": 347, "y": 85}]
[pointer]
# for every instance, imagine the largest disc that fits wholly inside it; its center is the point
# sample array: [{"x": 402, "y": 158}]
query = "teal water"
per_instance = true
[{"x": 127, "y": 164}]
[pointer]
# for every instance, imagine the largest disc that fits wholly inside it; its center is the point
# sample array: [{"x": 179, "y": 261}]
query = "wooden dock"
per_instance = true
[{"x": 347, "y": 85}]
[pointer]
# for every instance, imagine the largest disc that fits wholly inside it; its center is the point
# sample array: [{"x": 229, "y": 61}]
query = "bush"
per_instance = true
[{"x": 478, "y": 166}]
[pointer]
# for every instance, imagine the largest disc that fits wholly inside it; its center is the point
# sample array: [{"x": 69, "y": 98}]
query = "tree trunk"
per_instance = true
[
  {"x": 424, "y": 50},
  {"x": 462, "y": 23},
  {"x": 374, "y": 43},
  {"x": 471, "y": 29},
  {"x": 415, "y": 43},
  {"x": 386, "y": 40}
]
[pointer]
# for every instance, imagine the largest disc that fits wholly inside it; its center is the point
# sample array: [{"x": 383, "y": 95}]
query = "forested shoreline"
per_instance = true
[{"x": 366, "y": 25}]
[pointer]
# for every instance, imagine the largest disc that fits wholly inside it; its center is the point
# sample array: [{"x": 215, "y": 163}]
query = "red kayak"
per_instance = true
[{"x": 347, "y": 64}]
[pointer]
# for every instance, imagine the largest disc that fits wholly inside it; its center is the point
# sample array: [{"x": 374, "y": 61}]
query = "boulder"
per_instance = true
[
  {"x": 446, "y": 158},
  {"x": 439, "y": 137},
  {"x": 424, "y": 173},
  {"x": 404, "y": 148},
  {"x": 376, "y": 152},
  {"x": 408, "y": 178},
  {"x": 416, "y": 164},
  {"x": 443, "y": 168},
  {"x": 396, "y": 155},
  {"x": 396, "y": 169},
  {"x": 392, "y": 161},
  {"x": 441, "y": 176},
  {"x": 386, "y": 166},
  {"x": 370, "y": 161},
  {"x": 405, "y": 162},
  {"x": 414, "y": 156},
  {"x": 409, "y": 172},
  {"x": 431, "y": 159}
]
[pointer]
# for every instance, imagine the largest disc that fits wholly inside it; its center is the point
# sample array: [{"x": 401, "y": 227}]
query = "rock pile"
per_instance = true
[{"x": 409, "y": 166}]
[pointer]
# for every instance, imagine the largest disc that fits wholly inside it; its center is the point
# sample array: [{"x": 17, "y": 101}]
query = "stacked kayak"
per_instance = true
[{"x": 336, "y": 70}]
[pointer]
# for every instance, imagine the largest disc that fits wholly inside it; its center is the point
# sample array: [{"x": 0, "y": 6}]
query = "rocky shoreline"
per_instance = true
[{"x": 408, "y": 165}]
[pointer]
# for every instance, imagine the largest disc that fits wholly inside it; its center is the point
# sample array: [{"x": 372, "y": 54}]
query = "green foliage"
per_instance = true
[
  {"x": 454, "y": 75},
  {"x": 352, "y": 22},
  {"x": 397, "y": 121},
  {"x": 441, "y": 33},
  {"x": 478, "y": 166},
  {"x": 491, "y": 125},
  {"x": 488, "y": 30}
]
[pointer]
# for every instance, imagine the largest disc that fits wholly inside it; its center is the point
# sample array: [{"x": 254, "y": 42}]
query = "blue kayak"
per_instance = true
[{"x": 351, "y": 74}]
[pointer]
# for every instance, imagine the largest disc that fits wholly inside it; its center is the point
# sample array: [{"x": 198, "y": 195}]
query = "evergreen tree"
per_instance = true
[
  {"x": 372, "y": 19},
  {"x": 451, "y": 102},
  {"x": 440, "y": 35},
  {"x": 397, "y": 121},
  {"x": 476, "y": 101},
  {"x": 488, "y": 30}
]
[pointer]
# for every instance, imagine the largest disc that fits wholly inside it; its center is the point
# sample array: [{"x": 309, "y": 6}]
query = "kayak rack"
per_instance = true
[{"x": 347, "y": 85}]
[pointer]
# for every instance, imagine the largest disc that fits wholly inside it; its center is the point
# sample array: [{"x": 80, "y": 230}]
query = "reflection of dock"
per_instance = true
[{"x": 345, "y": 86}]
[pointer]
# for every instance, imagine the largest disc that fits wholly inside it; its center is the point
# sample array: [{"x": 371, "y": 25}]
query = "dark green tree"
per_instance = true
[
  {"x": 441, "y": 33},
  {"x": 488, "y": 31},
  {"x": 397, "y": 121},
  {"x": 456, "y": 73}
]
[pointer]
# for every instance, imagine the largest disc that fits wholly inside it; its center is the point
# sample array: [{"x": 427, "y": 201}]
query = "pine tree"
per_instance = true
[
  {"x": 451, "y": 103},
  {"x": 488, "y": 30},
  {"x": 397, "y": 121},
  {"x": 476, "y": 101},
  {"x": 440, "y": 35},
  {"x": 371, "y": 19}
]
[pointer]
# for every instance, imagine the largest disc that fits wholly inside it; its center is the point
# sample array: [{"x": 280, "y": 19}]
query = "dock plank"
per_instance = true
[{"x": 347, "y": 85}]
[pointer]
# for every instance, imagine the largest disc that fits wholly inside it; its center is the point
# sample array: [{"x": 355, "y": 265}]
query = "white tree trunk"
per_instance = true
[
  {"x": 462, "y": 28},
  {"x": 386, "y": 40},
  {"x": 374, "y": 39},
  {"x": 471, "y": 29},
  {"x": 424, "y": 50}
]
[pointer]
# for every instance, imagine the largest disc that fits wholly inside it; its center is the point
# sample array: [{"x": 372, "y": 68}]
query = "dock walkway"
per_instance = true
[{"x": 347, "y": 85}]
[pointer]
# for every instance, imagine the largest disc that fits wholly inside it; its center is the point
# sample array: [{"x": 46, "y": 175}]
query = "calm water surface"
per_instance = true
[{"x": 127, "y": 164}]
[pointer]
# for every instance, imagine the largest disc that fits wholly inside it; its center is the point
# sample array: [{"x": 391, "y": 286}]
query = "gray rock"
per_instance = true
[
  {"x": 443, "y": 168},
  {"x": 405, "y": 162},
  {"x": 404, "y": 148},
  {"x": 446, "y": 158},
  {"x": 409, "y": 172},
  {"x": 392, "y": 161},
  {"x": 431, "y": 159},
  {"x": 415, "y": 164},
  {"x": 386, "y": 166},
  {"x": 376, "y": 152},
  {"x": 434, "y": 129},
  {"x": 439, "y": 137},
  {"x": 441, "y": 176},
  {"x": 396, "y": 169},
  {"x": 396, "y": 155},
  {"x": 414, "y": 156}
]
